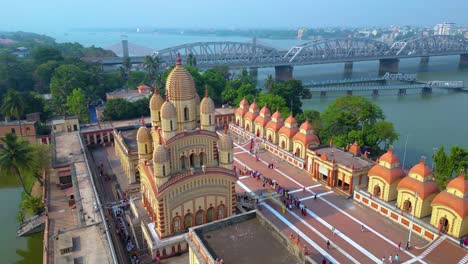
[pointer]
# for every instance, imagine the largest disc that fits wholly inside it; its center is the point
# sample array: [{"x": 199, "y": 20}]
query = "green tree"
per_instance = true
[
  {"x": 42, "y": 75},
  {"x": 269, "y": 83},
  {"x": 15, "y": 158},
  {"x": 66, "y": 78},
  {"x": 41, "y": 160},
  {"x": 119, "y": 109},
  {"x": 13, "y": 106},
  {"x": 76, "y": 105},
  {"x": 33, "y": 204},
  {"x": 312, "y": 115},
  {"x": 14, "y": 74},
  {"x": 191, "y": 60},
  {"x": 273, "y": 102},
  {"x": 151, "y": 66},
  {"x": 443, "y": 168},
  {"x": 292, "y": 91},
  {"x": 135, "y": 78},
  {"x": 125, "y": 70},
  {"x": 229, "y": 96},
  {"x": 352, "y": 118},
  {"x": 247, "y": 91},
  {"x": 44, "y": 54},
  {"x": 459, "y": 159}
]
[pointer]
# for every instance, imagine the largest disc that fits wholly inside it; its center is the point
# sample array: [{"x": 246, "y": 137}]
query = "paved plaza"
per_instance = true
[{"x": 334, "y": 210}]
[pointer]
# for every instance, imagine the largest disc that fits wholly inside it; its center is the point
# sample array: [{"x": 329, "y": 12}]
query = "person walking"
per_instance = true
[
  {"x": 333, "y": 230},
  {"x": 407, "y": 245},
  {"x": 461, "y": 242},
  {"x": 399, "y": 246},
  {"x": 390, "y": 259},
  {"x": 362, "y": 228},
  {"x": 397, "y": 259},
  {"x": 328, "y": 244}
]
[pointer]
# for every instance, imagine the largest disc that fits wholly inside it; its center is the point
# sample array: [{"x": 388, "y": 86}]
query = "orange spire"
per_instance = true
[
  {"x": 179, "y": 59},
  {"x": 167, "y": 96},
  {"x": 206, "y": 91},
  {"x": 156, "y": 90},
  {"x": 142, "y": 120}
]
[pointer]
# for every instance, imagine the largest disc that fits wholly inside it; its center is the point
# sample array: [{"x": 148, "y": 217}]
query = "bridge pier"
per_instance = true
[
  {"x": 401, "y": 92},
  {"x": 375, "y": 92},
  {"x": 463, "y": 61},
  {"x": 388, "y": 65},
  {"x": 284, "y": 72},
  {"x": 426, "y": 90},
  {"x": 349, "y": 92},
  {"x": 323, "y": 94},
  {"x": 348, "y": 70},
  {"x": 424, "y": 60},
  {"x": 125, "y": 48},
  {"x": 253, "y": 73}
]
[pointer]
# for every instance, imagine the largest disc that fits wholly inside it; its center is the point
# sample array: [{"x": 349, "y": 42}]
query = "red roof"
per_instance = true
[
  {"x": 421, "y": 169},
  {"x": 388, "y": 175},
  {"x": 306, "y": 139},
  {"x": 251, "y": 116},
  {"x": 275, "y": 126},
  {"x": 389, "y": 157},
  {"x": 288, "y": 132},
  {"x": 424, "y": 189},
  {"x": 355, "y": 149},
  {"x": 265, "y": 111},
  {"x": 262, "y": 120},
  {"x": 277, "y": 115},
  {"x": 291, "y": 120},
  {"x": 459, "y": 183},
  {"x": 307, "y": 126},
  {"x": 244, "y": 102},
  {"x": 240, "y": 111},
  {"x": 254, "y": 106},
  {"x": 459, "y": 205}
]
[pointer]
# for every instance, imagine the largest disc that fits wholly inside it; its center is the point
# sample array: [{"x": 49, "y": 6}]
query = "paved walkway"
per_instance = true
[{"x": 330, "y": 209}]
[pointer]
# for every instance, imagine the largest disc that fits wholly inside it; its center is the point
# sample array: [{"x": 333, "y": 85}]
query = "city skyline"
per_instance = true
[{"x": 55, "y": 15}]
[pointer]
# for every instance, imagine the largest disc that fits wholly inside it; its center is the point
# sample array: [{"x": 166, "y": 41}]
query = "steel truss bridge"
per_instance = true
[{"x": 237, "y": 55}]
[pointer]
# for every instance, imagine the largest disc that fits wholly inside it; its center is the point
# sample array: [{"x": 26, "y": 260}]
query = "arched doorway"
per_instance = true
[
  {"x": 188, "y": 220},
  {"x": 298, "y": 152},
  {"x": 192, "y": 160},
  {"x": 247, "y": 127},
  {"x": 407, "y": 206},
  {"x": 269, "y": 138},
  {"x": 220, "y": 211},
  {"x": 202, "y": 158},
  {"x": 183, "y": 165},
  {"x": 199, "y": 217},
  {"x": 176, "y": 224},
  {"x": 186, "y": 114},
  {"x": 258, "y": 132},
  {"x": 376, "y": 191},
  {"x": 283, "y": 144},
  {"x": 209, "y": 214},
  {"x": 443, "y": 225}
]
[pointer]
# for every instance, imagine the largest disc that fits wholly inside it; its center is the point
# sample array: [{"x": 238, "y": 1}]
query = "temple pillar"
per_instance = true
[
  {"x": 284, "y": 72},
  {"x": 463, "y": 60},
  {"x": 388, "y": 65}
]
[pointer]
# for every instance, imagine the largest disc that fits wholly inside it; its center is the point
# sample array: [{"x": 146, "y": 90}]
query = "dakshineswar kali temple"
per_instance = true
[{"x": 186, "y": 171}]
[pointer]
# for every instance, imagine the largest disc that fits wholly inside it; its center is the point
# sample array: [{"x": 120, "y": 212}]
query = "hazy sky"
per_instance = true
[{"x": 46, "y": 15}]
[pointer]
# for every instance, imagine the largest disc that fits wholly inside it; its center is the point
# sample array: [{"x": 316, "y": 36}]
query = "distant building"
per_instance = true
[
  {"x": 64, "y": 123},
  {"x": 142, "y": 91},
  {"x": 21, "y": 52},
  {"x": 444, "y": 29},
  {"x": 24, "y": 128}
]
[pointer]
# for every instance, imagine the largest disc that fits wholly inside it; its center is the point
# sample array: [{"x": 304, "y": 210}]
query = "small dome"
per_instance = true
[
  {"x": 265, "y": 111},
  {"x": 277, "y": 115},
  {"x": 160, "y": 154},
  {"x": 290, "y": 120},
  {"x": 459, "y": 183},
  {"x": 180, "y": 84},
  {"x": 207, "y": 105},
  {"x": 197, "y": 99},
  {"x": 143, "y": 135},
  {"x": 244, "y": 102},
  {"x": 253, "y": 106},
  {"x": 156, "y": 101},
  {"x": 421, "y": 169},
  {"x": 306, "y": 126},
  {"x": 389, "y": 157},
  {"x": 168, "y": 110},
  {"x": 225, "y": 142}
]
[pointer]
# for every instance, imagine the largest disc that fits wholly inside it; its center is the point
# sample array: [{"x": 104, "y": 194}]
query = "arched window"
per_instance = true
[
  {"x": 188, "y": 221},
  {"x": 229, "y": 157},
  {"x": 159, "y": 116},
  {"x": 13, "y": 131},
  {"x": 209, "y": 214},
  {"x": 171, "y": 124},
  {"x": 146, "y": 148},
  {"x": 283, "y": 144},
  {"x": 209, "y": 118},
  {"x": 186, "y": 114},
  {"x": 164, "y": 170},
  {"x": 199, "y": 217}
]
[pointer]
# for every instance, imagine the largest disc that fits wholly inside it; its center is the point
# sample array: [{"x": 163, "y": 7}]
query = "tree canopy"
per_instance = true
[{"x": 448, "y": 166}]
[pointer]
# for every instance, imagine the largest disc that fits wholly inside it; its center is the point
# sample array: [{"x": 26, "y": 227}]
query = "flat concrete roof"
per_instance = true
[
  {"x": 344, "y": 158},
  {"x": 225, "y": 111},
  {"x": 129, "y": 137},
  {"x": 247, "y": 241}
]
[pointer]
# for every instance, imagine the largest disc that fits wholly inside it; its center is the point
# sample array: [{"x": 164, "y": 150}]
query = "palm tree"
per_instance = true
[
  {"x": 34, "y": 204},
  {"x": 13, "y": 106},
  {"x": 15, "y": 158}
]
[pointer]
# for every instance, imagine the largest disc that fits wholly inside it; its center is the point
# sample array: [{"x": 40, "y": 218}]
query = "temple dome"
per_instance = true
[
  {"x": 306, "y": 126},
  {"x": 168, "y": 110},
  {"x": 180, "y": 84},
  {"x": 390, "y": 157},
  {"x": 421, "y": 169},
  {"x": 143, "y": 134},
  {"x": 156, "y": 101},
  {"x": 226, "y": 142},
  {"x": 253, "y": 106},
  {"x": 459, "y": 183},
  {"x": 160, "y": 154},
  {"x": 207, "y": 105}
]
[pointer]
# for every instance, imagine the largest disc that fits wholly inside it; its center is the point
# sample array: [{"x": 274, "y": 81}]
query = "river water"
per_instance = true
[{"x": 423, "y": 122}]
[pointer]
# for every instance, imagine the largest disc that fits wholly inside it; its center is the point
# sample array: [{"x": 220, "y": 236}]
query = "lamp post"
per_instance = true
[
  {"x": 404, "y": 155},
  {"x": 412, "y": 217}
]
